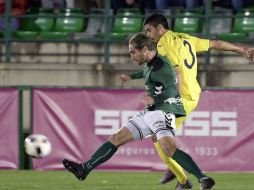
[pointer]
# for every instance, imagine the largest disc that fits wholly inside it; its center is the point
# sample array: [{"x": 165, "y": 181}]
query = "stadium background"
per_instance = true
[{"x": 40, "y": 53}]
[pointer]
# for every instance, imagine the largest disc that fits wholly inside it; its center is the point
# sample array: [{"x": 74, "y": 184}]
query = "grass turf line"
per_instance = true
[{"x": 63, "y": 180}]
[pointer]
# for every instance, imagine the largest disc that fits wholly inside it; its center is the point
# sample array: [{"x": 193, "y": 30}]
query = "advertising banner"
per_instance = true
[
  {"x": 9, "y": 132},
  {"x": 218, "y": 135}
]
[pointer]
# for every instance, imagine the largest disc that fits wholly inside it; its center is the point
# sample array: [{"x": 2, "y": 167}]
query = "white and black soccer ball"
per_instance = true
[{"x": 37, "y": 146}]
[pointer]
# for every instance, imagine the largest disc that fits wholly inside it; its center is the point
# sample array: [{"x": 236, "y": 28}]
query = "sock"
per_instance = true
[
  {"x": 187, "y": 163},
  {"x": 102, "y": 154},
  {"x": 172, "y": 165}
]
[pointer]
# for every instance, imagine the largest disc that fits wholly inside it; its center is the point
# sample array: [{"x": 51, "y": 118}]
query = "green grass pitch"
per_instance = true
[{"x": 63, "y": 180}]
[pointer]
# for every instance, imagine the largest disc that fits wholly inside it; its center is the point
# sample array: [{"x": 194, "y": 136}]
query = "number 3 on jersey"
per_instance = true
[{"x": 189, "y": 66}]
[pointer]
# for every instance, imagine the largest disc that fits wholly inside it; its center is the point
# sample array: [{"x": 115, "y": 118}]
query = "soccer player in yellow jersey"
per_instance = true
[{"x": 181, "y": 49}]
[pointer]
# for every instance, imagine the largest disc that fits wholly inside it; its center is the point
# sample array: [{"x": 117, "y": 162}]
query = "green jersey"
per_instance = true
[{"x": 160, "y": 81}]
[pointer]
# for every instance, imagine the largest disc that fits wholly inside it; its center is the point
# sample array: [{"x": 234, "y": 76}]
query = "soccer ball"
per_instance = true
[{"x": 37, "y": 146}]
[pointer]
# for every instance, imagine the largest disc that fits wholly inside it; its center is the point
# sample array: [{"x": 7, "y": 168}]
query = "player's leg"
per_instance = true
[
  {"x": 102, "y": 154},
  {"x": 133, "y": 130},
  {"x": 166, "y": 140},
  {"x": 168, "y": 146},
  {"x": 190, "y": 166},
  {"x": 174, "y": 169},
  {"x": 185, "y": 159},
  {"x": 177, "y": 170},
  {"x": 165, "y": 136}
]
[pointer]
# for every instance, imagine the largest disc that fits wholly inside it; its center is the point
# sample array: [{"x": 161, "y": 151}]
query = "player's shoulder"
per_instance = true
[
  {"x": 178, "y": 35},
  {"x": 194, "y": 41},
  {"x": 172, "y": 39},
  {"x": 168, "y": 42},
  {"x": 169, "y": 35},
  {"x": 184, "y": 36},
  {"x": 158, "y": 62}
]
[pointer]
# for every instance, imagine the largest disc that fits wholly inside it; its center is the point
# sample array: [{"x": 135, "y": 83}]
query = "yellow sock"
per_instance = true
[{"x": 172, "y": 165}]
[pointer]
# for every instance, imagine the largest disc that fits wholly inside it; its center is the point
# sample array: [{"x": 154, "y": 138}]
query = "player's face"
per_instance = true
[
  {"x": 152, "y": 32},
  {"x": 137, "y": 55}
]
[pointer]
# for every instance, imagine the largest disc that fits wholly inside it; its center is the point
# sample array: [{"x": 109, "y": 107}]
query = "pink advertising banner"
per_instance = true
[
  {"x": 219, "y": 135},
  {"x": 9, "y": 132}
]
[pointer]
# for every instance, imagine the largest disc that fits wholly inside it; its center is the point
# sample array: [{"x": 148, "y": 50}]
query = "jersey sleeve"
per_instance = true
[
  {"x": 137, "y": 75},
  {"x": 200, "y": 43}
]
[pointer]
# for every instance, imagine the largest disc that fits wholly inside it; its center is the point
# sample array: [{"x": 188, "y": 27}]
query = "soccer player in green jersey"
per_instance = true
[
  {"x": 162, "y": 105},
  {"x": 181, "y": 50}
]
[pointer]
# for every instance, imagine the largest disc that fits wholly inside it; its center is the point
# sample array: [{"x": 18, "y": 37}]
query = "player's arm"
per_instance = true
[
  {"x": 227, "y": 46},
  {"x": 135, "y": 75}
]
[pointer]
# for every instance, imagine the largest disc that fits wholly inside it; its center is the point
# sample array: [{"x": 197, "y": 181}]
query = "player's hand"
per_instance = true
[
  {"x": 147, "y": 100},
  {"x": 248, "y": 53},
  {"x": 125, "y": 78}
]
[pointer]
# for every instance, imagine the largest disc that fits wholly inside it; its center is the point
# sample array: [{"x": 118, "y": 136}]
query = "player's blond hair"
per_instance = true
[{"x": 141, "y": 40}]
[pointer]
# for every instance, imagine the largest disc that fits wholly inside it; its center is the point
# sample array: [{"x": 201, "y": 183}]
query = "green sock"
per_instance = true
[
  {"x": 105, "y": 152},
  {"x": 187, "y": 163}
]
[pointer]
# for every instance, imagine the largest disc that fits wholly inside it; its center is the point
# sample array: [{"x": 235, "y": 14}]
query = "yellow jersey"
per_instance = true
[{"x": 180, "y": 49}]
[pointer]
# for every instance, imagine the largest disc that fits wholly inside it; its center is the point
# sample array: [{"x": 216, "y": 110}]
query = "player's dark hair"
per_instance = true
[
  {"x": 141, "y": 40},
  {"x": 155, "y": 20}
]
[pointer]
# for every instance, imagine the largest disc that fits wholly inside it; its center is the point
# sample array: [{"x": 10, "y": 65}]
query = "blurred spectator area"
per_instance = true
[
  {"x": 18, "y": 7},
  {"x": 108, "y": 24}
]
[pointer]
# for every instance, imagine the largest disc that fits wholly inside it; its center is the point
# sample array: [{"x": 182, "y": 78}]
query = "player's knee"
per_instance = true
[
  {"x": 122, "y": 137},
  {"x": 169, "y": 151},
  {"x": 115, "y": 140},
  {"x": 168, "y": 146}
]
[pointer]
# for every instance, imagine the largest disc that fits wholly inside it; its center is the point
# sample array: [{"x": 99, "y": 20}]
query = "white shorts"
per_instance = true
[{"x": 146, "y": 123}]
